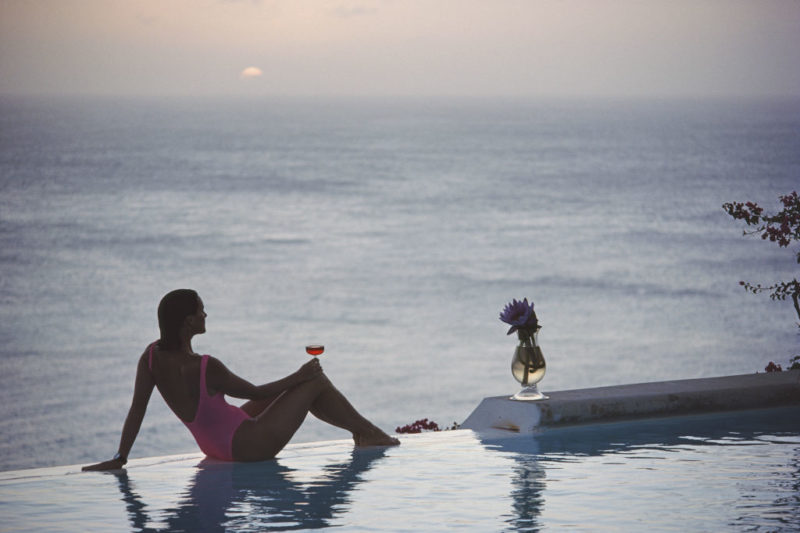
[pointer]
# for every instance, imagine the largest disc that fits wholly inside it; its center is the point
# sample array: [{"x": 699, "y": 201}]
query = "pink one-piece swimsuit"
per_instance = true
[{"x": 216, "y": 420}]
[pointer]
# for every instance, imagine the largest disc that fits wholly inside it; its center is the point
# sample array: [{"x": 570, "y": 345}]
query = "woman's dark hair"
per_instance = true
[{"x": 172, "y": 311}]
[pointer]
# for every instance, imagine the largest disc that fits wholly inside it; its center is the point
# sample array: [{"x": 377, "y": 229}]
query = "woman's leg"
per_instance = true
[
  {"x": 332, "y": 407},
  {"x": 256, "y": 407},
  {"x": 263, "y": 437}
]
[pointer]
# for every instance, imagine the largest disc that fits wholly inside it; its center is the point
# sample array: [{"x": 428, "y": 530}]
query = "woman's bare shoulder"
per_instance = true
[{"x": 216, "y": 366}]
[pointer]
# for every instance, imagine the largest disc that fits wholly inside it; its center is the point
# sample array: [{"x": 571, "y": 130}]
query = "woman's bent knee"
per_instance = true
[
  {"x": 318, "y": 383},
  {"x": 322, "y": 377}
]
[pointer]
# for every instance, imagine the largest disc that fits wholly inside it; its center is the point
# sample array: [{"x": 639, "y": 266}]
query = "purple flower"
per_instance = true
[{"x": 520, "y": 316}]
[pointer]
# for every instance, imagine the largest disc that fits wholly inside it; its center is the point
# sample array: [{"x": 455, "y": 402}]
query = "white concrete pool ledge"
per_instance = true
[{"x": 637, "y": 401}]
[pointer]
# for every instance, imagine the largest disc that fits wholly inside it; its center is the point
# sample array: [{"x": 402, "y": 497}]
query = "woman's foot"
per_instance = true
[{"x": 374, "y": 437}]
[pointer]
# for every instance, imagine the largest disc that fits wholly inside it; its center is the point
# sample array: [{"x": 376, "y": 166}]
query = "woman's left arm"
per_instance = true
[{"x": 141, "y": 397}]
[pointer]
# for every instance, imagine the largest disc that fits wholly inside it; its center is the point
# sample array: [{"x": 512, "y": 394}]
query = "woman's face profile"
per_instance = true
[{"x": 198, "y": 320}]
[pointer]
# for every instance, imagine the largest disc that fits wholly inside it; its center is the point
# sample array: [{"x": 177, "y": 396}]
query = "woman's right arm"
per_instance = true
[
  {"x": 141, "y": 397},
  {"x": 222, "y": 379}
]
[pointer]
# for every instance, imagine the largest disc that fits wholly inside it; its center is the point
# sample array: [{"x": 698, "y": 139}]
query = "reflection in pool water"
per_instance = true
[
  {"x": 237, "y": 496},
  {"x": 735, "y": 471}
]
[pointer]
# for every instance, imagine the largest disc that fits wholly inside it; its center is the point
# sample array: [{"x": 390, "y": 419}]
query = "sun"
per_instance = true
[{"x": 250, "y": 73}]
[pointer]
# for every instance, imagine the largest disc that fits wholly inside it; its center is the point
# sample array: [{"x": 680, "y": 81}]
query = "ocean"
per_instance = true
[{"x": 391, "y": 230}]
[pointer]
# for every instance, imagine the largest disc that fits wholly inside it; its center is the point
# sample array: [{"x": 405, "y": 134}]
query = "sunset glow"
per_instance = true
[
  {"x": 250, "y": 72},
  {"x": 525, "y": 48}
]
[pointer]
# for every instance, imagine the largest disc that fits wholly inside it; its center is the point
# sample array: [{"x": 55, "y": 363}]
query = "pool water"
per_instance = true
[{"x": 738, "y": 471}]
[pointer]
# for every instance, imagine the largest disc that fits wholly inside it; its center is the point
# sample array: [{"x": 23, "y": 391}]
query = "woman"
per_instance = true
[{"x": 194, "y": 387}]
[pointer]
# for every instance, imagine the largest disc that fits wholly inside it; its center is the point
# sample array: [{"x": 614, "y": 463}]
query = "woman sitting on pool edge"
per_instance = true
[{"x": 194, "y": 387}]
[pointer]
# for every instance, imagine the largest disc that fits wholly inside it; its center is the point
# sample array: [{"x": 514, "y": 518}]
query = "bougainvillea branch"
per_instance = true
[
  {"x": 781, "y": 228},
  {"x": 779, "y": 290},
  {"x": 423, "y": 425},
  {"x": 418, "y": 426}
]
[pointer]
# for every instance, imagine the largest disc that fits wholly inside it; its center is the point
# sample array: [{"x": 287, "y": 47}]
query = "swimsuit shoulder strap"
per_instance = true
[
  {"x": 203, "y": 384},
  {"x": 150, "y": 359}
]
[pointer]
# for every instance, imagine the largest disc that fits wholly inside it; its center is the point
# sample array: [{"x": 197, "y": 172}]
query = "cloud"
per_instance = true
[{"x": 250, "y": 73}]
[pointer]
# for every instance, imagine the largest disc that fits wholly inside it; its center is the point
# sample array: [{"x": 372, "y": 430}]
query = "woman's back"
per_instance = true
[
  {"x": 212, "y": 421},
  {"x": 177, "y": 376}
]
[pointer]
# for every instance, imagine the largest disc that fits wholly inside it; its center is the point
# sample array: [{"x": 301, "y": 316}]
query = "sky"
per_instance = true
[{"x": 515, "y": 48}]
